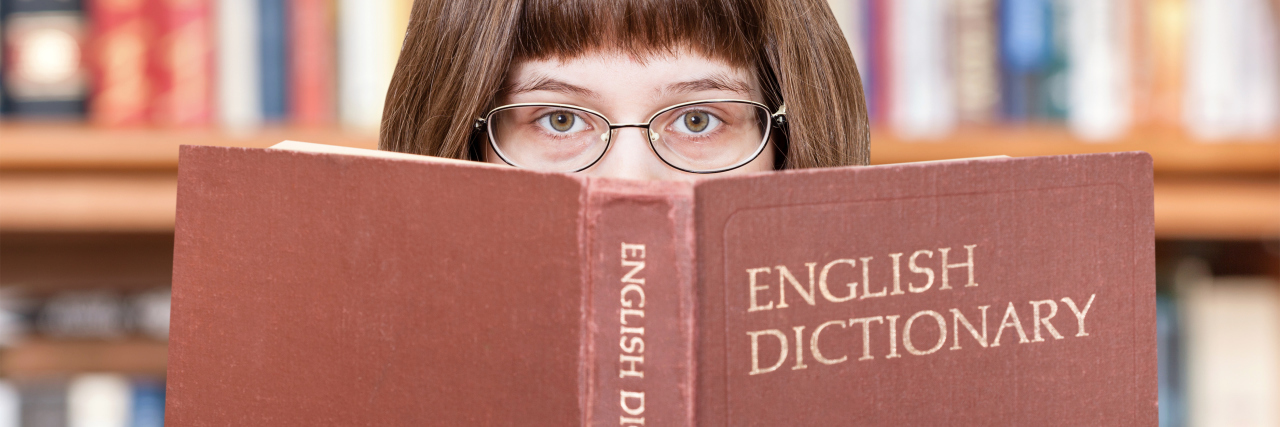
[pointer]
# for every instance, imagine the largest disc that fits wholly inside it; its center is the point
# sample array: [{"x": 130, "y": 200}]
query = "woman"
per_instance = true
[{"x": 559, "y": 84}]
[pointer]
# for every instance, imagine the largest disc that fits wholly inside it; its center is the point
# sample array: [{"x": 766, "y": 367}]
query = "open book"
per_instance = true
[{"x": 331, "y": 286}]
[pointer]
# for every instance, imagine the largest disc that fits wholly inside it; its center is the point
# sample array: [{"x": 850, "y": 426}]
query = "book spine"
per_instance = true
[
  {"x": 98, "y": 400},
  {"x": 45, "y": 74},
  {"x": 922, "y": 97},
  {"x": 147, "y": 404},
  {"x": 1024, "y": 51},
  {"x": 1169, "y": 362},
  {"x": 1098, "y": 84},
  {"x": 273, "y": 58},
  {"x": 1166, "y": 32},
  {"x": 311, "y": 62},
  {"x": 43, "y": 403},
  {"x": 118, "y": 57},
  {"x": 10, "y": 405},
  {"x": 239, "y": 83},
  {"x": 181, "y": 63},
  {"x": 1259, "y": 85},
  {"x": 363, "y": 71},
  {"x": 639, "y": 349},
  {"x": 975, "y": 62},
  {"x": 1050, "y": 98}
]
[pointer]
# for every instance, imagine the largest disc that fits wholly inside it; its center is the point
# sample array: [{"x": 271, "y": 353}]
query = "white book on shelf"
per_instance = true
[
  {"x": 1259, "y": 85},
  {"x": 1232, "y": 327},
  {"x": 923, "y": 105},
  {"x": 239, "y": 88},
  {"x": 365, "y": 61},
  {"x": 98, "y": 400},
  {"x": 1099, "y": 83},
  {"x": 1218, "y": 88},
  {"x": 9, "y": 405}
]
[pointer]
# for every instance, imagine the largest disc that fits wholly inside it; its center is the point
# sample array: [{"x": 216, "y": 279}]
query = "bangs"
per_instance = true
[{"x": 727, "y": 30}]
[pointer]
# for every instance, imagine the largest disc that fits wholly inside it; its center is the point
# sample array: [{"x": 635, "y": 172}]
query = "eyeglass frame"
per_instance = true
[{"x": 776, "y": 119}]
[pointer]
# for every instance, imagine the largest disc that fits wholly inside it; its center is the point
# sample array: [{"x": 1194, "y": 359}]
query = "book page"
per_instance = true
[{"x": 352, "y": 151}]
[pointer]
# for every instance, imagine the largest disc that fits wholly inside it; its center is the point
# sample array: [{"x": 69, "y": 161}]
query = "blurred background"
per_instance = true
[{"x": 96, "y": 96}]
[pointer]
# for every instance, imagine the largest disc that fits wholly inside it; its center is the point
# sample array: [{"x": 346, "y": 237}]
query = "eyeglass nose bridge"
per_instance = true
[{"x": 648, "y": 127}]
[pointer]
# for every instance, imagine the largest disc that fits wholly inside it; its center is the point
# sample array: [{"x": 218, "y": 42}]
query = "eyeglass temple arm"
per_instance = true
[{"x": 780, "y": 117}]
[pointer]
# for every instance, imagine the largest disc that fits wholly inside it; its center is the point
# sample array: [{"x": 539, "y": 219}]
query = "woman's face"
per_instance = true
[{"x": 628, "y": 90}]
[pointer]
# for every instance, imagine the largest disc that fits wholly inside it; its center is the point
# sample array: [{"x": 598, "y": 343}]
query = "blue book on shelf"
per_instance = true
[
  {"x": 1168, "y": 363},
  {"x": 273, "y": 33},
  {"x": 1051, "y": 91},
  {"x": 148, "y": 404},
  {"x": 1026, "y": 43}
]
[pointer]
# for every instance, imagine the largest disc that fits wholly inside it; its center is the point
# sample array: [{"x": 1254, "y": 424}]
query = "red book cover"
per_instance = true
[
  {"x": 121, "y": 41},
  {"x": 979, "y": 292},
  {"x": 311, "y": 62},
  {"x": 181, "y": 62}
]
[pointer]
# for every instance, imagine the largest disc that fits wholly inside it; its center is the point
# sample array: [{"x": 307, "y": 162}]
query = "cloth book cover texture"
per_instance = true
[{"x": 331, "y": 289}]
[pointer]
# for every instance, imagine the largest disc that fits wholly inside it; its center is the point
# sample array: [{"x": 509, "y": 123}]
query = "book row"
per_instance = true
[
  {"x": 90, "y": 314},
  {"x": 237, "y": 63},
  {"x": 1102, "y": 67},
  {"x": 86, "y": 400}
]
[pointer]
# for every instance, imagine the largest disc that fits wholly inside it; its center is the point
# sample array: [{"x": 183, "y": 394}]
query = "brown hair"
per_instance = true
[{"x": 456, "y": 55}]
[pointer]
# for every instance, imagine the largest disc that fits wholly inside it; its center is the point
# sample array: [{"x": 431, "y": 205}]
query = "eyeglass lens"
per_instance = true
[{"x": 699, "y": 137}]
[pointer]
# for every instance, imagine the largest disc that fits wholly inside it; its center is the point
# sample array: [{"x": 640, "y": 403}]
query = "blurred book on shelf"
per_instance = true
[
  {"x": 90, "y": 314},
  {"x": 1101, "y": 68},
  {"x": 44, "y": 69},
  {"x": 234, "y": 64}
]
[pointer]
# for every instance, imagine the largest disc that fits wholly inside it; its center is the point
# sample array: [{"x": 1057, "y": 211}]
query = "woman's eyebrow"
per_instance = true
[
  {"x": 544, "y": 83},
  {"x": 716, "y": 81}
]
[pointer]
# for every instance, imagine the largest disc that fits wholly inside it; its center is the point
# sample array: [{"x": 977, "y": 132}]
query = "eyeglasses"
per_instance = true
[{"x": 699, "y": 137}]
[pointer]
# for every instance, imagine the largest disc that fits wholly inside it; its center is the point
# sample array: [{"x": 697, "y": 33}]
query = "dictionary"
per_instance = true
[{"x": 318, "y": 285}]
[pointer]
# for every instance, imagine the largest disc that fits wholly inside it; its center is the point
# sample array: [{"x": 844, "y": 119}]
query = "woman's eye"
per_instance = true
[
  {"x": 562, "y": 122},
  {"x": 697, "y": 122}
]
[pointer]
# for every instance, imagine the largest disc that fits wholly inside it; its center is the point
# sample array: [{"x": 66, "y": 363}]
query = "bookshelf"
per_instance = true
[{"x": 78, "y": 178}]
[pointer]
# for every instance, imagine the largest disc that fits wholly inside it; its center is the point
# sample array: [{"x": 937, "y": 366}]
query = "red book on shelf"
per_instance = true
[
  {"x": 181, "y": 63},
  {"x": 121, "y": 41},
  {"x": 980, "y": 292},
  {"x": 311, "y": 62}
]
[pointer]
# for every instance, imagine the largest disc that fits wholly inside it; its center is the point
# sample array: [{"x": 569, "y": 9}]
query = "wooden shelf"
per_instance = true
[
  {"x": 1217, "y": 208},
  {"x": 87, "y": 201},
  {"x": 1172, "y": 152},
  {"x": 62, "y": 146},
  {"x": 74, "y": 177},
  {"x": 1230, "y": 207},
  {"x": 46, "y": 357}
]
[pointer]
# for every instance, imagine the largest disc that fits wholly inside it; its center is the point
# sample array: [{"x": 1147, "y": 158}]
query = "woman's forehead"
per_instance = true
[{"x": 613, "y": 73}]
